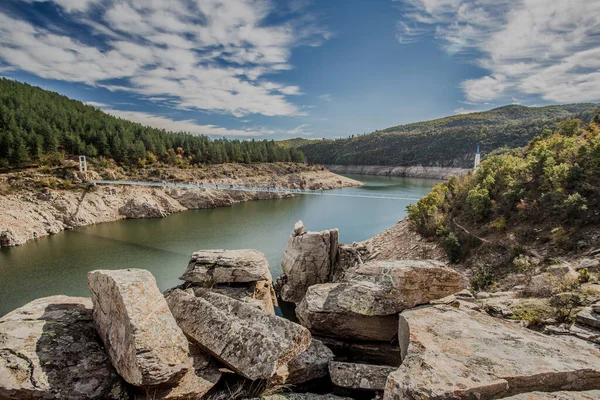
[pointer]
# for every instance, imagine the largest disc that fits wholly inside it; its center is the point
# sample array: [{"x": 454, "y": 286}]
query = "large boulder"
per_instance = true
[
  {"x": 359, "y": 376},
  {"x": 311, "y": 364},
  {"x": 585, "y": 395},
  {"x": 209, "y": 267},
  {"x": 253, "y": 344},
  {"x": 352, "y": 311},
  {"x": 133, "y": 319},
  {"x": 240, "y": 274},
  {"x": 307, "y": 260},
  {"x": 303, "y": 396},
  {"x": 366, "y": 305},
  {"x": 461, "y": 353},
  {"x": 49, "y": 349},
  {"x": 410, "y": 282}
]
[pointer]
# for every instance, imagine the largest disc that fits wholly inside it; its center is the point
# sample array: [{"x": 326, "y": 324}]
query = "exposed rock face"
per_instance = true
[
  {"x": 208, "y": 267},
  {"x": 415, "y": 171},
  {"x": 365, "y": 306},
  {"x": 311, "y": 364},
  {"x": 250, "y": 342},
  {"x": 460, "y": 353},
  {"x": 589, "y": 318},
  {"x": 307, "y": 260},
  {"x": 49, "y": 349},
  {"x": 141, "y": 336},
  {"x": 195, "y": 383},
  {"x": 346, "y": 310},
  {"x": 31, "y": 215},
  {"x": 359, "y": 376}
]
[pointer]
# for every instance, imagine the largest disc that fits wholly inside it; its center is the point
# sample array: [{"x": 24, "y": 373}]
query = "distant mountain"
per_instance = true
[{"x": 446, "y": 142}]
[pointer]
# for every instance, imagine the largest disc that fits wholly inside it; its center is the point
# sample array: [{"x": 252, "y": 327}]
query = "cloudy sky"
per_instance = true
[{"x": 320, "y": 68}]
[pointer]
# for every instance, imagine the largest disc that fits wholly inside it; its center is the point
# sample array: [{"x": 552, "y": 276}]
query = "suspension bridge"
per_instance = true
[{"x": 253, "y": 189}]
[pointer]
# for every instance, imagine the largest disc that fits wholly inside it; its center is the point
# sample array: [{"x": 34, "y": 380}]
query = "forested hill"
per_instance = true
[
  {"x": 36, "y": 125},
  {"x": 446, "y": 142}
]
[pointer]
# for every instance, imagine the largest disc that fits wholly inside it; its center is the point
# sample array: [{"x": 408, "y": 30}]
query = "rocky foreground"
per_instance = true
[
  {"x": 41, "y": 210},
  {"x": 390, "y": 330}
]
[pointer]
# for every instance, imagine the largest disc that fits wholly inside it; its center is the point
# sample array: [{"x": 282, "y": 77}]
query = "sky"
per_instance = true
[{"x": 277, "y": 69}]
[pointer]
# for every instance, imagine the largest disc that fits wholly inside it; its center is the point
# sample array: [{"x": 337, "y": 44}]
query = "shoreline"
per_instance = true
[
  {"x": 31, "y": 214},
  {"x": 418, "y": 171}
]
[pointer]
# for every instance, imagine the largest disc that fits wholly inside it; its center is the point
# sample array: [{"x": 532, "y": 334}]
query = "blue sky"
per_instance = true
[{"x": 283, "y": 69}]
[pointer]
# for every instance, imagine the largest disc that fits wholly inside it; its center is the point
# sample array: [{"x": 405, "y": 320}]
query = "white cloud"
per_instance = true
[
  {"x": 300, "y": 130},
  {"x": 543, "y": 48},
  {"x": 206, "y": 54},
  {"x": 326, "y": 97},
  {"x": 189, "y": 126},
  {"x": 96, "y": 104}
]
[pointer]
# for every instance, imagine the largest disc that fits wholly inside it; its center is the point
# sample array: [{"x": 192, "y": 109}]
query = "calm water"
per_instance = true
[{"x": 58, "y": 264}]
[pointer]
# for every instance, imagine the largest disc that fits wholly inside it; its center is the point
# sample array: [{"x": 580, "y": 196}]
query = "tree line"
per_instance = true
[{"x": 36, "y": 124}]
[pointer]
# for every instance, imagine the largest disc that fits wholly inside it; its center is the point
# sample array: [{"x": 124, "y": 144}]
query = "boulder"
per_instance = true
[
  {"x": 133, "y": 319},
  {"x": 366, "y": 306},
  {"x": 362, "y": 311},
  {"x": 195, "y": 383},
  {"x": 588, "y": 317},
  {"x": 311, "y": 364},
  {"x": 359, "y": 376},
  {"x": 410, "y": 282},
  {"x": 596, "y": 307},
  {"x": 307, "y": 260},
  {"x": 461, "y": 353},
  {"x": 209, "y": 267},
  {"x": 253, "y": 344},
  {"x": 49, "y": 349}
]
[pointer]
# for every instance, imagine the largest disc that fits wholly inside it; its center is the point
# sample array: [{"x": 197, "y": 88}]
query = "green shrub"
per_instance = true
[
  {"x": 479, "y": 202},
  {"x": 482, "y": 278},
  {"x": 583, "y": 276},
  {"x": 453, "y": 247}
]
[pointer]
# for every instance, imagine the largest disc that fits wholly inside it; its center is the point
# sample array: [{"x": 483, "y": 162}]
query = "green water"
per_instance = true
[{"x": 58, "y": 264}]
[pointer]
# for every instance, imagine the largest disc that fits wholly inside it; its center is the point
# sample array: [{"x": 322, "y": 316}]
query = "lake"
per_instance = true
[{"x": 59, "y": 264}]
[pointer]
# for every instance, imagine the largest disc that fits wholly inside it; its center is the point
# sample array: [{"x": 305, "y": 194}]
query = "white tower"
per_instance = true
[{"x": 477, "y": 158}]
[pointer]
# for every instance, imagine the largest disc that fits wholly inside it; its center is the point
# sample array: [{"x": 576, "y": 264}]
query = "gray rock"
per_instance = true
[
  {"x": 311, "y": 364},
  {"x": 460, "y": 353},
  {"x": 596, "y": 308},
  {"x": 49, "y": 349},
  {"x": 209, "y": 267},
  {"x": 307, "y": 260},
  {"x": 359, "y": 376},
  {"x": 133, "y": 319},
  {"x": 366, "y": 306},
  {"x": 589, "y": 318},
  {"x": 353, "y": 311},
  {"x": 253, "y": 344},
  {"x": 585, "y": 332},
  {"x": 592, "y": 264}
]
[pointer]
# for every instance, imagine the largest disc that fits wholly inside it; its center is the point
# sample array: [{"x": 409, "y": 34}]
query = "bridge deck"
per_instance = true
[{"x": 252, "y": 189}]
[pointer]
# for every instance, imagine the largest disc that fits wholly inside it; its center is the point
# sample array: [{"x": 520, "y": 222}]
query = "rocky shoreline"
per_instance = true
[
  {"x": 31, "y": 214},
  {"x": 391, "y": 330},
  {"x": 417, "y": 171}
]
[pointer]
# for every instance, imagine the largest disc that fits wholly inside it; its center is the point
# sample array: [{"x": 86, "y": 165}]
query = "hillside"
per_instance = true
[
  {"x": 543, "y": 200},
  {"x": 38, "y": 126},
  {"x": 446, "y": 142}
]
